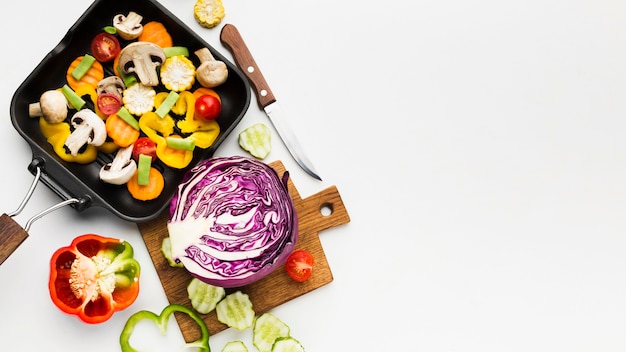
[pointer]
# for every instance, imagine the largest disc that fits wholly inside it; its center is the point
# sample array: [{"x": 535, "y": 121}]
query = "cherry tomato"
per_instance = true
[
  {"x": 105, "y": 47},
  {"x": 208, "y": 107},
  {"x": 144, "y": 145},
  {"x": 109, "y": 103},
  {"x": 299, "y": 265}
]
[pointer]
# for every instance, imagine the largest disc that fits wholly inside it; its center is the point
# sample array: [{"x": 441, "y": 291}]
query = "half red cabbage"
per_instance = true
[{"x": 232, "y": 221}]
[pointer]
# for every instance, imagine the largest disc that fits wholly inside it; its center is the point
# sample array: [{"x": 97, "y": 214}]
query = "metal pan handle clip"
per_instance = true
[{"x": 11, "y": 233}]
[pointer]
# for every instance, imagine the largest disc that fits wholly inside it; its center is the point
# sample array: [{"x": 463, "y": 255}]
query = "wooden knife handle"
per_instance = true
[
  {"x": 11, "y": 236},
  {"x": 231, "y": 38}
]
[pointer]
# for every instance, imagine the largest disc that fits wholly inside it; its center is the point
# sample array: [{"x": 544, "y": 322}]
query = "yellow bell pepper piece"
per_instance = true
[
  {"x": 56, "y": 134},
  {"x": 175, "y": 158},
  {"x": 155, "y": 127}
]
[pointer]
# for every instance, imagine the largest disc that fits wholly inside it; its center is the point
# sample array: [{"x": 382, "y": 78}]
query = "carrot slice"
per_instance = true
[
  {"x": 120, "y": 131},
  {"x": 155, "y": 32},
  {"x": 152, "y": 190},
  {"x": 93, "y": 75}
]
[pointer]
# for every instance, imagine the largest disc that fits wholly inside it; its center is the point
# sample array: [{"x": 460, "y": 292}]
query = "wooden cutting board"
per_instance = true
[{"x": 315, "y": 213}]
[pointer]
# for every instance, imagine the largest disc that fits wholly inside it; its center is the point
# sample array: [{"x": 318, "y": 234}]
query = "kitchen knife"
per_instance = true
[{"x": 231, "y": 38}]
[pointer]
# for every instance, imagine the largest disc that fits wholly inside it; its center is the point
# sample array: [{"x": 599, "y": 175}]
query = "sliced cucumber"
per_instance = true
[
  {"x": 167, "y": 104},
  {"x": 256, "y": 140},
  {"x": 287, "y": 344},
  {"x": 166, "y": 249},
  {"x": 204, "y": 297},
  {"x": 83, "y": 66},
  {"x": 143, "y": 169},
  {"x": 236, "y": 311},
  {"x": 268, "y": 328},
  {"x": 235, "y": 346}
]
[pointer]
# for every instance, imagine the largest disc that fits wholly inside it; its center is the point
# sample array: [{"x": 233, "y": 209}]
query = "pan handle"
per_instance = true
[
  {"x": 11, "y": 236},
  {"x": 11, "y": 233},
  {"x": 38, "y": 165}
]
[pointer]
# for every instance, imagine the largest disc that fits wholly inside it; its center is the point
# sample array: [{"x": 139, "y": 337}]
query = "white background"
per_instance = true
[{"x": 479, "y": 147}]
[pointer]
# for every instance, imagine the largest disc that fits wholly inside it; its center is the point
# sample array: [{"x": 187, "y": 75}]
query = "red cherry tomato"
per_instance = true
[
  {"x": 109, "y": 103},
  {"x": 105, "y": 47},
  {"x": 208, "y": 107},
  {"x": 144, "y": 145},
  {"x": 299, "y": 265}
]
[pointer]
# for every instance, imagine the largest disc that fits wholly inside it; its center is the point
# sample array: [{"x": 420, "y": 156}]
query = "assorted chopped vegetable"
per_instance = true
[
  {"x": 94, "y": 277},
  {"x": 131, "y": 77},
  {"x": 146, "y": 113}
]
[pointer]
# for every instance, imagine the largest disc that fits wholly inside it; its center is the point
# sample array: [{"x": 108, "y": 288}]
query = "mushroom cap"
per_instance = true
[
  {"x": 53, "y": 106},
  {"x": 212, "y": 73}
]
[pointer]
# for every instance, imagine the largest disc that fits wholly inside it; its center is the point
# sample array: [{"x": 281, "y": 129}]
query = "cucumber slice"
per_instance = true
[
  {"x": 143, "y": 169},
  {"x": 167, "y": 104},
  {"x": 256, "y": 140},
  {"x": 235, "y": 346},
  {"x": 74, "y": 99},
  {"x": 125, "y": 115},
  {"x": 83, "y": 66},
  {"x": 204, "y": 297},
  {"x": 268, "y": 328},
  {"x": 287, "y": 344},
  {"x": 180, "y": 143},
  {"x": 166, "y": 249},
  {"x": 176, "y": 51},
  {"x": 235, "y": 311}
]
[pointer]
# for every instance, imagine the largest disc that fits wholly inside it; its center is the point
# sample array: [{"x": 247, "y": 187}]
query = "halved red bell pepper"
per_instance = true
[{"x": 94, "y": 277}]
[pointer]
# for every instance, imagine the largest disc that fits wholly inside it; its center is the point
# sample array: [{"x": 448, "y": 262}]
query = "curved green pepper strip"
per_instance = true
[{"x": 161, "y": 321}]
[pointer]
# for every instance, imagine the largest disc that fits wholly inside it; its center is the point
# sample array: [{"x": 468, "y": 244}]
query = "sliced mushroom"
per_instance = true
[
  {"x": 121, "y": 169},
  {"x": 211, "y": 73},
  {"x": 142, "y": 58},
  {"x": 128, "y": 27},
  {"x": 52, "y": 106},
  {"x": 88, "y": 129},
  {"x": 112, "y": 85}
]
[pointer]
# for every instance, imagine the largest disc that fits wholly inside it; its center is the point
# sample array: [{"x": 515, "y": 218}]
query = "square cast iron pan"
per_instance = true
[{"x": 71, "y": 180}]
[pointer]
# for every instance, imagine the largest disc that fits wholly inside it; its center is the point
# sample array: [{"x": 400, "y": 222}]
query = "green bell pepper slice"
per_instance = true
[{"x": 161, "y": 321}]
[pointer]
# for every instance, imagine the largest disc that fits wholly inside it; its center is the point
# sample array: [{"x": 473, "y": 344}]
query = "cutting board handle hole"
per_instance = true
[{"x": 326, "y": 209}]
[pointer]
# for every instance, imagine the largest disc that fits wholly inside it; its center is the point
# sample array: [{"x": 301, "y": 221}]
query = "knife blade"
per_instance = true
[{"x": 231, "y": 38}]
